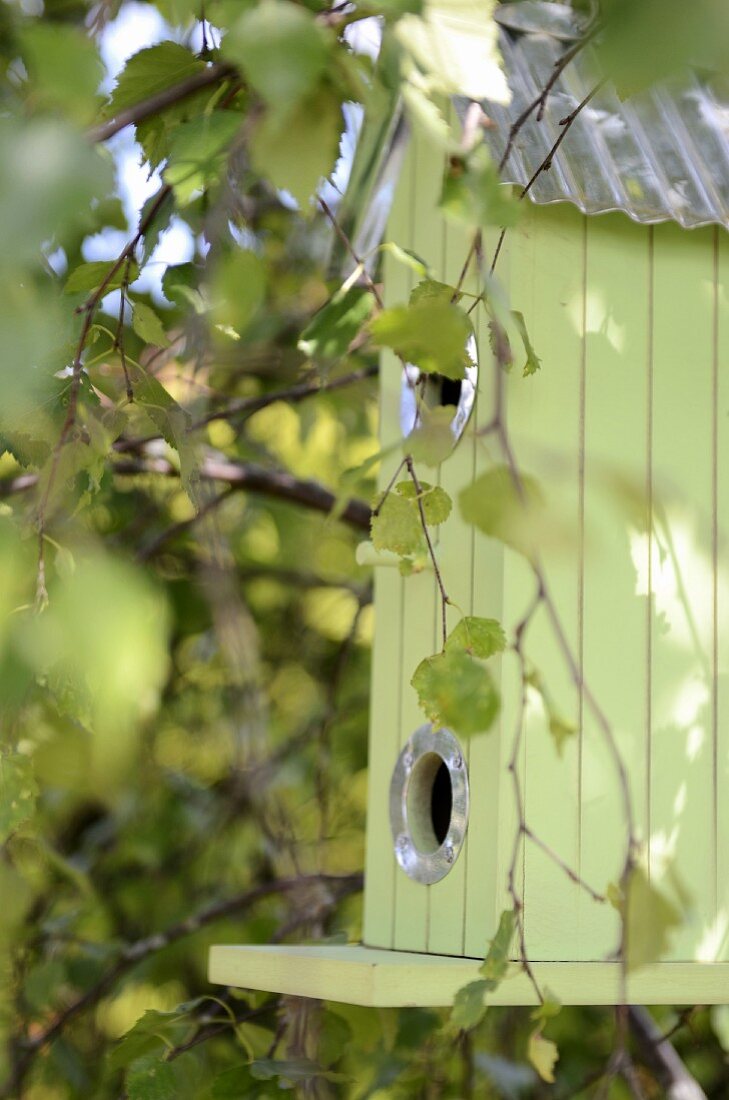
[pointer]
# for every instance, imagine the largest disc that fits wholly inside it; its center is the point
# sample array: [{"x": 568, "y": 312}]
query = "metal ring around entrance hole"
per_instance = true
[{"x": 411, "y": 772}]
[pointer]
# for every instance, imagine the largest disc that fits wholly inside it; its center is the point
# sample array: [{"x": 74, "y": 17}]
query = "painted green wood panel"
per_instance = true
[
  {"x": 720, "y": 654},
  {"x": 517, "y": 590},
  {"x": 387, "y": 683},
  {"x": 366, "y": 976},
  {"x": 547, "y": 285},
  {"x": 419, "y": 598},
  {"x": 615, "y": 605},
  {"x": 484, "y": 882},
  {"x": 683, "y": 802},
  {"x": 447, "y": 898}
]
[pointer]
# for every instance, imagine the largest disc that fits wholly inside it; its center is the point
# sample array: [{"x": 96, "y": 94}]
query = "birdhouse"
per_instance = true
[{"x": 620, "y": 268}]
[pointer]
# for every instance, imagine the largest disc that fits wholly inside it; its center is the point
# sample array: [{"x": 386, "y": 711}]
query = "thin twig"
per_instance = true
[
  {"x": 512, "y": 767},
  {"x": 555, "y": 858},
  {"x": 371, "y": 285},
  {"x": 247, "y": 406},
  {"x": 546, "y": 164},
  {"x": 119, "y": 334},
  {"x": 89, "y": 311},
  {"x": 444, "y": 600}
]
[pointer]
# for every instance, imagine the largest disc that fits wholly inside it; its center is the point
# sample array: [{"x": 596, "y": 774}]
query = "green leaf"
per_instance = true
[
  {"x": 331, "y": 330},
  {"x": 500, "y": 345},
  {"x": 234, "y": 1084},
  {"x": 406, "y": 257},
  {"x": 480, "y": 637},
  {"x": 291, "y": 1070},
  {"x": 543, "y": 1055},
  {"x": 533, "y": 362},
  {"x": 496, "y": 963},
  {"x": 454, "y": 44},
  {"x": 296, "y": 151},
  {"x": 432, "y": 439},
  {"x": 173, "y": 423},
  {"x": 148, "y": 326},
  {"x": 95, "y": 655},
  {"x": 561, "y": 731},
  {"x": 474, "y": 194},
  {"x": 435, "y": 501},
  {"x": 469, "y": 1005},
  {"x": 150, "y": 71},
  {"x": 499, "y": 508},
  {"x": 151, "y": 1034},
  {"x": 282, "y": 51},
  {"x": 88, "y": 277},
  {"x": 178, "y": 281},
  {"x": 197, "y": 151},
  {"x": 430, "y": 290},
  {"x": 238, "y": 290},
  {"x": 550, "y": 1007},
  {"x": 18, "y": 792},
  {"x": 64, "y": 68},
  {"x": 50, "y": 177},
  {"x": 397, "y": 527},
  {"x": 151, "y": 1079},
  {"x": 456, "y": 690},
  {"x": 169, "y": 417},
  {"x": 432, "y": 334},
  {"x": 649, "y": 922},
  {"x": 655, "y": 39}
]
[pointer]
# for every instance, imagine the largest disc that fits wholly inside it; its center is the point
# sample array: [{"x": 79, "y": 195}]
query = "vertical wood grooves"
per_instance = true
[
  {"x": 401, "y": 666},
  {"x": 581, "y": 550},
  {"x": 650, "y": 524}
]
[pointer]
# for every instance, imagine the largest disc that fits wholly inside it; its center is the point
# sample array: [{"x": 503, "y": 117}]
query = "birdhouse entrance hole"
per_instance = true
[
  {"x": 436, "y": 391},
  {"x": 430, "y": 802}
]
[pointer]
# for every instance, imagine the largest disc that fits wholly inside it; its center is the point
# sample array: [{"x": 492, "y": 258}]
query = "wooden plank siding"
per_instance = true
[
  {"x": 454, "y": 550},
  {"x": 420, "y": 605},
  {"x": 545, "y": 418},
  {"x": 683, "y": 805},
  {"x": 381, "y": 869},
  {"x": 489, "y": 832},
  {"x": 616, "y": 468},
  {"x": 626, "y": 427}
]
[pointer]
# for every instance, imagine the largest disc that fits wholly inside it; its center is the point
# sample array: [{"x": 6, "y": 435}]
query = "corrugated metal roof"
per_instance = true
[{"x": 662, "y": 155}]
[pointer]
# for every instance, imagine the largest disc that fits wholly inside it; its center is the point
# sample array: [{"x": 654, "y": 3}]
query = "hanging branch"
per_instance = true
[
  {"x": 213, "y": 74},
  {"x": 546, "y": 164},
  {"x": 89, "y": 312},
  {"x": 119, "y": 334},
  {"x": 538, "y": 104},
  {"x": 444, "y": 600}
]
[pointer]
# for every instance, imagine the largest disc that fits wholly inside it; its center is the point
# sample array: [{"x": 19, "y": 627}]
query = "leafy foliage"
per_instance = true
[
  {"x": 431, "y": 334},
  {"x": 503, "y": 509}
]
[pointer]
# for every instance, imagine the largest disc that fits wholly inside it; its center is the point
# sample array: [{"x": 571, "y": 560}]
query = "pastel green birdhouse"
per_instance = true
[{"x": 605, "y": 382}]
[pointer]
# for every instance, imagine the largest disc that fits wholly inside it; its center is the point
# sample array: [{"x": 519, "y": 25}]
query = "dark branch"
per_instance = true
[
  {"x": 657, "y": 1053},
  {"x": 257, "y": 479},
  {"x": 301, "y": 392},
  {"x": 159, "y": 102},
  {"x": 238, "y": 475}
]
